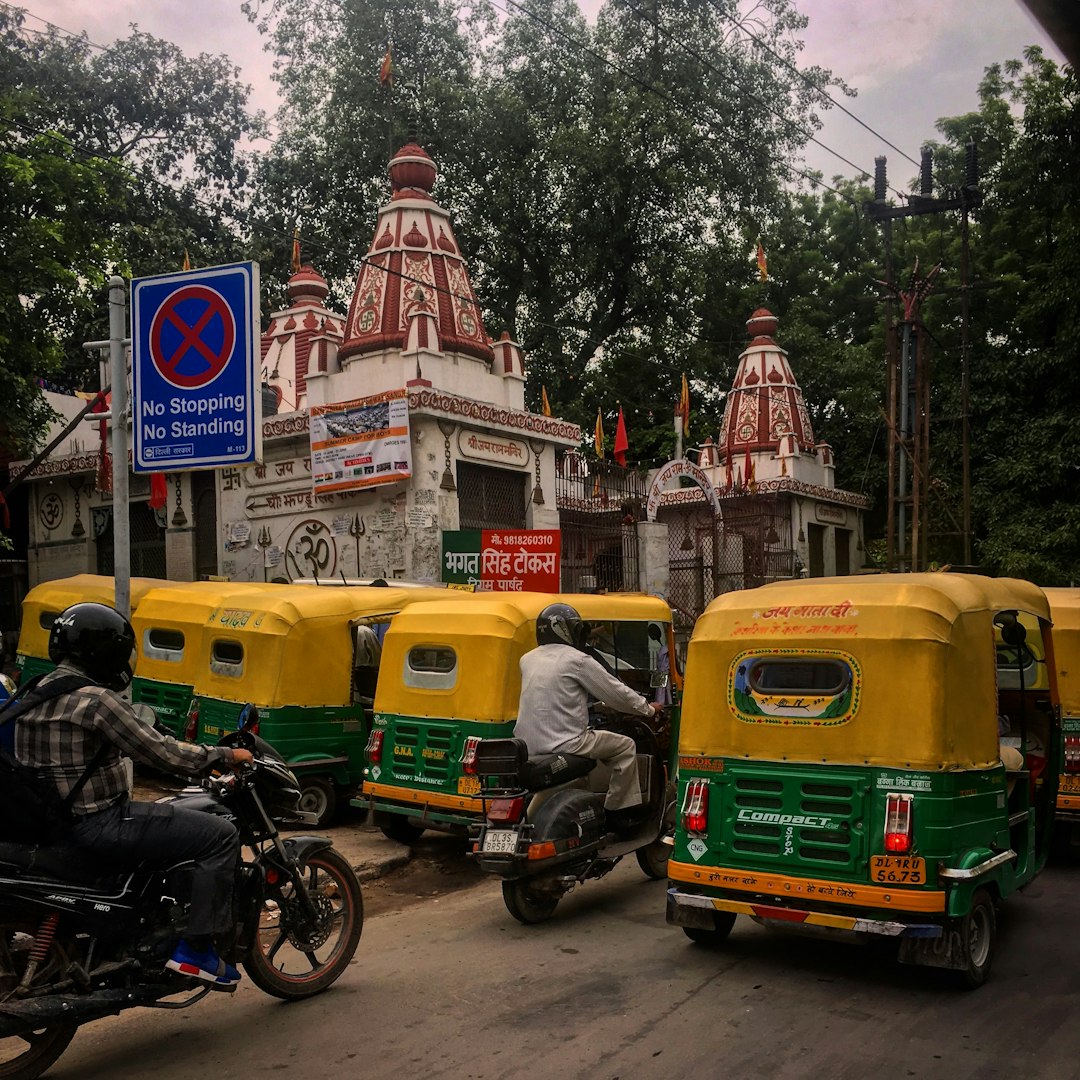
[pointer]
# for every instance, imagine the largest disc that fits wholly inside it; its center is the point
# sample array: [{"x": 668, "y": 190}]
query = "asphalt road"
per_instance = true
[{"x": 452, "y": 987}]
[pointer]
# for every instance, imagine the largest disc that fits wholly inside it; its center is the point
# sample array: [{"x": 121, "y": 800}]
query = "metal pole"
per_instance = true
[
  {"x": 121, "y": 509},
  {"x": 905, "y": 431},
  {"x": 965, "y": 363}
]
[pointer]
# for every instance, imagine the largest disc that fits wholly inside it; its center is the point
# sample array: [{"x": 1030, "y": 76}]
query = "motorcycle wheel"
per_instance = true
[
  {"x": 653, "y": 860},
  {"x": 527, "y": 903},
  {"x": 26, "y": 1057},
  {"x": 289, "y": 958}
]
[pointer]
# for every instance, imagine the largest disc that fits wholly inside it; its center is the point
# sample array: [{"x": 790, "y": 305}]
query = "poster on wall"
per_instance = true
[
  {"x": 490, "y": 560},
  {"x": 361, "y": 443}
]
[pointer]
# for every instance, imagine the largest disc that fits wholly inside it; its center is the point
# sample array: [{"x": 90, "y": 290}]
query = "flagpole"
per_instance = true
[{"x": 678, "y": 435}]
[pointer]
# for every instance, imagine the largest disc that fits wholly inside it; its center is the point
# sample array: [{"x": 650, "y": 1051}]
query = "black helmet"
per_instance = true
[
  {"x": 560, "y": 624},
  {"x": 97, "y": 639}
]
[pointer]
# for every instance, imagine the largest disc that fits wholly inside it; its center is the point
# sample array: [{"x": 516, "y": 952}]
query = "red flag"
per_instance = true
[
  {"x": 622, "y": 443},
  {"x": 748, "y": 468},
  {"x": 104, "y": 475},
  {"x": 386, "y": 69},
  {"x": 159, "y": 491},
  {"x": 545, "y": 405},
  {"x": 296, "y": 251}
]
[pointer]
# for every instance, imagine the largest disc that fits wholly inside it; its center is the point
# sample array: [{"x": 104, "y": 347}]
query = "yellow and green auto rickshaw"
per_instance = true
[
  {"x": 1065, "y": 611},
  {"x": 450, "y": 678},
  {"x": 44, "y": 602},
  {"x": 308, "y": 657},
  {"x": 169, "y": 625},
  {"x": 874, "y": 757}
]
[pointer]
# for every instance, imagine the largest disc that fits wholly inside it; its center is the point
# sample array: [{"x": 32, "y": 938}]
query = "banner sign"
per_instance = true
[
  {"x": 195, "y": 351},
  {"x": 493, "y": 561},
  {"x": 361, "y": 443}
]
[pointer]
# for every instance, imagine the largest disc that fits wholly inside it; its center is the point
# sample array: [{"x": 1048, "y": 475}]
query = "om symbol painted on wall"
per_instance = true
[
  {"x": 311, "y": 551},
  {"x": 51, "y": 511}
]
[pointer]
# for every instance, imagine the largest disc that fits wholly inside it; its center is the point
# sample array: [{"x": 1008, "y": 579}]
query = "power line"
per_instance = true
[
  {"x": 652, "y": 20},
  {"x": 806, "y": 79}
]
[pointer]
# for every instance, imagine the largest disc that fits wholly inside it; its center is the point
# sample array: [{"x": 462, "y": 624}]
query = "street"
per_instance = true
[{"x": 451, "y": 986}]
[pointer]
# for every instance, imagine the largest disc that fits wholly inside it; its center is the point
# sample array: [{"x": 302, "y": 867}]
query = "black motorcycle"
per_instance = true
[
  {"x": 78, "y": 943},
  {"x": 545, "y": 829}
]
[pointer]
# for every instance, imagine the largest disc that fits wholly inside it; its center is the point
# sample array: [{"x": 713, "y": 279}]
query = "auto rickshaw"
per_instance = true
[
  {"x": 1065, "y": 610},
  {"x": 870, "y": 757},
  {"x": 451, "y": 678},
  {"x": 169, "y": 623},
  {"x": 44, "y": 602},
  {"x": 308, "y": 657}
]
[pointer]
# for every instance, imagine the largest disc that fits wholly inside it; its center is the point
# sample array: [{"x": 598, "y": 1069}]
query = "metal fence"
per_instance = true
[{"x": 598, "y": 503}]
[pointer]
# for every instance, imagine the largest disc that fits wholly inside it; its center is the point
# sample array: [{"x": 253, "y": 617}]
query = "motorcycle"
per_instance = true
[
  {"x": 78, "y": 943},
  {"x": 545, "y": 830}
]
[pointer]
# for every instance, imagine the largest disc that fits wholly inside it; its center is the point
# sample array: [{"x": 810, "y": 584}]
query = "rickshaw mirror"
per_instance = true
[
  {"x": 658, "y": 678},
  {"x": 1013, "y": 631}
]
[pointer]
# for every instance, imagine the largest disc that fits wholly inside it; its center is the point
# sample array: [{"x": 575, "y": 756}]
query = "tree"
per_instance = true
[{"x": 121, "y": 158}]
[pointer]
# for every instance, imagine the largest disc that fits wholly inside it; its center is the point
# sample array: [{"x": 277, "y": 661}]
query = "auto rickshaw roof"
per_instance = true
[
  {"x": 919, "y": 648},
  {"x": 1065, "y": 609}
]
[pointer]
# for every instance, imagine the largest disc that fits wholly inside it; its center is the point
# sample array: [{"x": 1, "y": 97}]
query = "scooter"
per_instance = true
[
  {"x": 80, "y": 941},
  {"x": 545, "y": 829}
]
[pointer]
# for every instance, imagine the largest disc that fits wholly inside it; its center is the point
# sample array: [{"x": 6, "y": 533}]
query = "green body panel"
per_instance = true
[
  {"x": 29, "y": 666},
  {"x": 170, "y": 701},
  {"x": 329, "y": 739},
  {"x": 826, "y": 822}
]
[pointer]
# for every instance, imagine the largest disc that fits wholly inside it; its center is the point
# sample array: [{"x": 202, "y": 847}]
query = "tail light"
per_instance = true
[
  {"x": 1072, "y": 753},
  {"x": 695, "y": 807},
  {"x": 898, "y": 823},
  {"x": 191, "y": 728},
  {"x": 374, "y": 746},
  {"x": 507, "y": 810},
  {"x": 468, "y": 755}
]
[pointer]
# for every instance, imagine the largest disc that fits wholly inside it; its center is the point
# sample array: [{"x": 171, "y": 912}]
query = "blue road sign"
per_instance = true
[{"x": 196, "y": 401}]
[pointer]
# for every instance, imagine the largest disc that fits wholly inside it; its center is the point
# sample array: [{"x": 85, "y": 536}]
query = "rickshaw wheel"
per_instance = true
[
  {"x": 318, "y": 797},
  {"x": 527, "y": 903},
  {"x": 723, "y": 921},
  {"x": 978, "y": 939},
  {"x": 398, "y": 827}
]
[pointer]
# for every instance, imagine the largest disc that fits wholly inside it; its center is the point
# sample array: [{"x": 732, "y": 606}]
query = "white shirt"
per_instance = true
[{"x": 556, "y": 683}]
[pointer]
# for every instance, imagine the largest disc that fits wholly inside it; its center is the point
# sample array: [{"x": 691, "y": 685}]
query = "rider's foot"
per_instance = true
[{"x": 204, "y": 964}]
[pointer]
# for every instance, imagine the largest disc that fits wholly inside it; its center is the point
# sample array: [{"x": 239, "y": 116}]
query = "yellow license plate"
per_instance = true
[
  {"x": 897, "y": 870},
  {"x": 468, "y": 785},
  {"x": 1069, "y": 783}
]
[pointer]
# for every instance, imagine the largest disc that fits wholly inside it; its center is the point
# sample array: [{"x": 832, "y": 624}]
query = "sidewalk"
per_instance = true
[{"x": 370, "y": 854}]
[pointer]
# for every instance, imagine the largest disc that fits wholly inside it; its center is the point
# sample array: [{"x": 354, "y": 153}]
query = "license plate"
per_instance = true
[
  {"x": 468, "y": 785},
  {"x": 500, "y": 842},
  {"x": 897, "y": 870},
  {"x": 1069, "y": 783}
]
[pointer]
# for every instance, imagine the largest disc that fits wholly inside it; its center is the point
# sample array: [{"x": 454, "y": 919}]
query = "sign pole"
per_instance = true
[{"x": 121, "y": 507}]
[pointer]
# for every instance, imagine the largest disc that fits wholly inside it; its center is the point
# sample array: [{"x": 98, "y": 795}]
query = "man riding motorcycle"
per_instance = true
[
  {"x": 93, "y": 725},
  {"x": 557, "y": 679}
]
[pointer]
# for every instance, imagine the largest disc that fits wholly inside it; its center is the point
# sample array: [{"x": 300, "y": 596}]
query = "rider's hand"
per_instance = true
[
  {"x": 657, "y": 710},
  {"x": 240, "y": 757}
]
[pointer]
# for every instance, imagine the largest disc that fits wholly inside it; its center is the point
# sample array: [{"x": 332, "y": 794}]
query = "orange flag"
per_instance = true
[
  {"x": 684, "y": 405},
  {"x": 386, "y": 69},
  {"x": 296, "y": 250},
  {"x": 598, "y": 435},
  {"x": 187, "y": 261},
  {"x": 622, "y": 443},
  {"x": 762, "y": 265},
  {"x": 545, "y": 405}
]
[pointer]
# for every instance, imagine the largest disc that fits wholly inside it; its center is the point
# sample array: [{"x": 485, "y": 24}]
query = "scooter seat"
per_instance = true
[{"x": 549, "y": 770}]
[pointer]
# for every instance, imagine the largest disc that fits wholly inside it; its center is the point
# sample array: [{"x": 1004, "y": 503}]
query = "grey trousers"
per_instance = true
[
  {"x": 158, "y": 836},
  {"x": 619, "y": 754}
]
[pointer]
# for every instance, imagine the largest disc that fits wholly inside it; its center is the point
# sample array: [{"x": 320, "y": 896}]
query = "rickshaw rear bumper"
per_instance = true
[{"x": 696, "y": 910}]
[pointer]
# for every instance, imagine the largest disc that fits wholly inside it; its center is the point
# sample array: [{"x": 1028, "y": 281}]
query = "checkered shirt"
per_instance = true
[{"x": 60, "y": 738}]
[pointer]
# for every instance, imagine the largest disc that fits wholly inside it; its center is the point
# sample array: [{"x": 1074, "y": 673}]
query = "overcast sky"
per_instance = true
[{"x": 911, "y": 62}]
